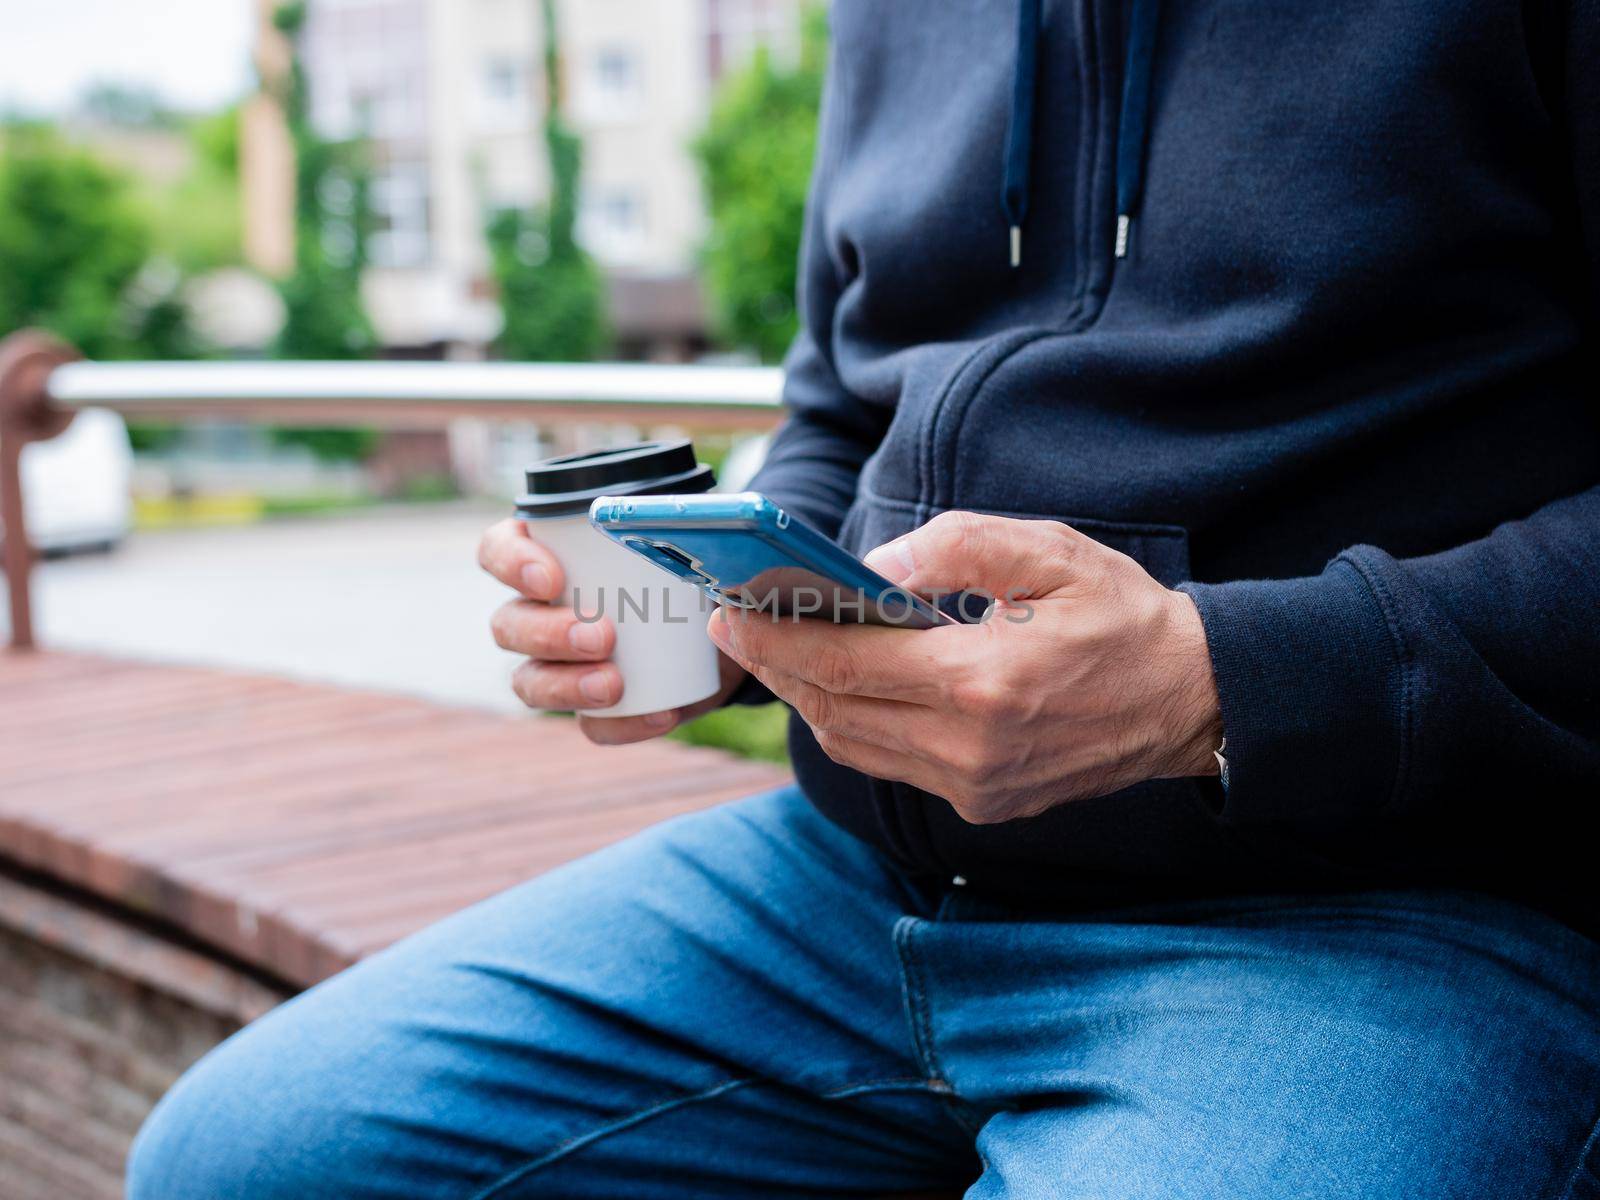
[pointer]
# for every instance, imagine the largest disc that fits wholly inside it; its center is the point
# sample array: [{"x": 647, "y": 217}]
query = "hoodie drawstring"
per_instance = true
[
  {"x": 1133, "y": 123},
  {"x": 1019, "y": 139},
  {"x": 1133, "y": 126}
]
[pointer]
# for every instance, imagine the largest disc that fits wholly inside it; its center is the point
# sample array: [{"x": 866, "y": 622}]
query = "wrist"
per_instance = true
[{"x": 1192, "y": 717}]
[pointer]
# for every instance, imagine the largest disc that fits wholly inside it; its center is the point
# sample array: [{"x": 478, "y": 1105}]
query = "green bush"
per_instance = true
[
  {"x": 197, "y": 220},
  {"x": 755, "y": 156},
  {"x": 330, "y": 444},
  {"x": 72, "y": 242},
  {"x": 753, "y": 732},
  {"x": 551, "y": 301}
]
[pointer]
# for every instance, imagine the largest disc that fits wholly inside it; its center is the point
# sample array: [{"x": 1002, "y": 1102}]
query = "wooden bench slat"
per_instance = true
[{"x": 298, "y": 826}]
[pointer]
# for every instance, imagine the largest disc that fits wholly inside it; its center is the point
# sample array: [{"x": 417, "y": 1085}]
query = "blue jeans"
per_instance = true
[{"x": 749, "y": 1003}]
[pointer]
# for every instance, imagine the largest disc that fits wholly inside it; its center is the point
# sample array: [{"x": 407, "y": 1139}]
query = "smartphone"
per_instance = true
[{"x": 744, "y": 551}]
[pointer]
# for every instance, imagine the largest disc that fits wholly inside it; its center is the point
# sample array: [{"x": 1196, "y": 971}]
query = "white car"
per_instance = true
[{"x": 75, "y": 487}]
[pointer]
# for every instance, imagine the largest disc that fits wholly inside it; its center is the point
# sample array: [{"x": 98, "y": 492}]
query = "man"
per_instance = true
[{"x": 1252, "y": 347}]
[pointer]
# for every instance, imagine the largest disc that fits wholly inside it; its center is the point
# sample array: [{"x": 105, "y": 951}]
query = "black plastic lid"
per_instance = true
[{"x": 560, "y": 487}]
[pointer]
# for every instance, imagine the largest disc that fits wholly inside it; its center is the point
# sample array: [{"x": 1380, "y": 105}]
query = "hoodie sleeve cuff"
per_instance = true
[{"x": 1311, "y": 677}]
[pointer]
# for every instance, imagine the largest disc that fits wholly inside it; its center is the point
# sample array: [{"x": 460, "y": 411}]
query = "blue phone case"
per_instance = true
[{"x": 745, "y": 551}]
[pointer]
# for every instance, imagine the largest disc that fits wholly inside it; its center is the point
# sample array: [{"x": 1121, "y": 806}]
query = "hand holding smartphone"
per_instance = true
[{"x": 746, "y": 552}]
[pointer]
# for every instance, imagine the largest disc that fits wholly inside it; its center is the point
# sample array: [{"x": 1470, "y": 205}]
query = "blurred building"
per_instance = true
[{"x": 450, "y": 94}]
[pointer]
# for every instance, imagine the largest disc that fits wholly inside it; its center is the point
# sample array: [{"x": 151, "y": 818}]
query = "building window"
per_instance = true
[
  {"x": 366, "y": 68},
  {"x": 504, "y": 86},
  {"x": 400, "y": 216},
  {"x": 615, "y": 85},
  {"x": 502, "y": 80},
  {"x": 736, "y": 28},
  {"x": 612, "y": 225}
]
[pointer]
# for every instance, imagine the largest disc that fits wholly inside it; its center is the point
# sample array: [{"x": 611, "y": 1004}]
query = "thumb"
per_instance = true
[{"x": 968, "y": 552}]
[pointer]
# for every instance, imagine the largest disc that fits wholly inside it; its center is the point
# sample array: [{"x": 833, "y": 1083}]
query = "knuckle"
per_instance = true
[
  {"x": 835, "y": 747},
  {"x": 749, "y": 637},
  {"x": 503, "y": 626},
  {"x": 540, "y": 686},
  {"x": 493, "y": 547},
  {"x": 820, "y": 710},
  {"x": 1068, "y": 545},
  {"x": 524, "y": 681},
  {"x": 837, "y": 671},
  {"x": 957, "y": 529},
  {"x": 980, "y": 696},
  {"x": 964, "y": 804},
  {"x": 985, "y": 762},
  {"x": 954, "y": 522},
  {"x": 969, "y": 774},
  {"x": 973, "y": 802},
  {"x": 487, "y": 544}
]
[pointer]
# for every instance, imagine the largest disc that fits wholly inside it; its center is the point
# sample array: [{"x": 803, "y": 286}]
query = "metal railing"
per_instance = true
[{"x": 42, "y": 384}]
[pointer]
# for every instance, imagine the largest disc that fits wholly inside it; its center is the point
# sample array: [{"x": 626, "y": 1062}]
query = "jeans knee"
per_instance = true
[
  {"x": 165, "y": 1163},
  {"x": 220, "y": 1132},
  {"x": 149, "y": 1158}
]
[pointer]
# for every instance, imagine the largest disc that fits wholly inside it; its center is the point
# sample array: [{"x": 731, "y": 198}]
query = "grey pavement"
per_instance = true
[{"x": 388, "y": 599}]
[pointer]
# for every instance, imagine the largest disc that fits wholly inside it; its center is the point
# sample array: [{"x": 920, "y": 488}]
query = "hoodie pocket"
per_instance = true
[{"x": 1162, "y": 550}]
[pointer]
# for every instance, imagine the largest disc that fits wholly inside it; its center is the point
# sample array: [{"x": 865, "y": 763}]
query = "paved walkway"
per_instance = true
[{"x": 390, "y": 599}]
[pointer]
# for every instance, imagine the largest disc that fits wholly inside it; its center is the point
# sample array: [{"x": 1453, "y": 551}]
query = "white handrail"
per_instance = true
[{"x": 128, "y": 386}]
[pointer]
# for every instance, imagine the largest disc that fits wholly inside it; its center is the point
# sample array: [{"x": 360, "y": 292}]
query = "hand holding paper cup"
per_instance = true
[{"x": 662, "y": 652}]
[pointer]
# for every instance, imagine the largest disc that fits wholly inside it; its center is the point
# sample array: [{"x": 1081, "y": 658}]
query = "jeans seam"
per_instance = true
[
  {"x": 581, "y": 1140},
  {"x": 916, "y": 1001},
  {"x": 1590, "y": 1145},
  {"x": 917, "y": 1083},
  {"x": 920, "y": 1021}
]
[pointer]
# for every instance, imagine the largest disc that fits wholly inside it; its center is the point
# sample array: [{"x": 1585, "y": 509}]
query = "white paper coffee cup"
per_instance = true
[{"x": 662, "y": 651}]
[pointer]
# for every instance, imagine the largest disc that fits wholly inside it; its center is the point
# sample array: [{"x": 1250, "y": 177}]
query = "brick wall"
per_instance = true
[{"x": 97, "y": 1018}]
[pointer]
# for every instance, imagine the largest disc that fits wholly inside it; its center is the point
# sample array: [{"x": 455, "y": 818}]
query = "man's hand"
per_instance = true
[
  {"x": 569, "y": 665},
  {"x": 1087, "y": 677}
]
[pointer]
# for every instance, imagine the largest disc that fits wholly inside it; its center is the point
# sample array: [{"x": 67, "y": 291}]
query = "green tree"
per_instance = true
[
  {"x": 76, "y": 239},
  {"x": 551, "y": 294},
  {"x": 324, "y": 317},
  {"x": 755, "y": 157},
  {"x": 72, "y": 242},
  {"x": 197, "y": 219},
  {"x": 323, "y": 314}
]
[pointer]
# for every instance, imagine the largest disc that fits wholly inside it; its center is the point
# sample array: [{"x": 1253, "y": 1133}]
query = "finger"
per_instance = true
[
  {"x": 517, "y": 560},
  {"x": 891, "y": 724},
  {"x": 859, "y": 660},
  {"x": 876, "y": 761},
  {"x": 996, "y": 556},
  {"x": 567, "y": 687},
  {"x": 555, "y": 634},
  {"x": 621, "y": 731}
]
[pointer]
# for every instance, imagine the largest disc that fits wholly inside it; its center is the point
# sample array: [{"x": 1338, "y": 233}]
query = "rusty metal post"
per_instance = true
[{"x": 26, "y": 360}]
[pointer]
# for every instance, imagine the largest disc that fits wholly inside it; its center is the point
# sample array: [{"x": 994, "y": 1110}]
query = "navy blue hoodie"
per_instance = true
[{"x": 1340, "y": 386}]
